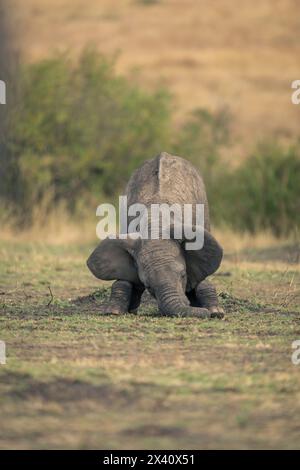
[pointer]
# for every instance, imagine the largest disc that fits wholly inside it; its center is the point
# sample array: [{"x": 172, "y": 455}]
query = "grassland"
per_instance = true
[
  {"x": 236, "y": 54},
  {"x": 76, "y": 379}
]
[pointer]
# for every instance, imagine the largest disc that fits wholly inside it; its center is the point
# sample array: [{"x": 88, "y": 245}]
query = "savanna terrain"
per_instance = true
[
  {"x": 78, "y": 379},
  {"x": 74, "y": 378}
]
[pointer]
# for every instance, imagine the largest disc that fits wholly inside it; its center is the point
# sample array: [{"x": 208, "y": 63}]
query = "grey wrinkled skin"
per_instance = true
[{"x": 173, "y": 275}]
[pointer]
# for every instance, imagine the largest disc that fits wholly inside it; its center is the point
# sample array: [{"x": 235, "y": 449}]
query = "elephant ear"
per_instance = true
[
  {"x": 112, "y": 260},
  {"x": 204, "y": 262}
]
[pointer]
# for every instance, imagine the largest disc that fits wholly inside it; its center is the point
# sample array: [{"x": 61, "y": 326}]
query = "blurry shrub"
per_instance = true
[
  {"x": 264, "y": 192},
  {"x": 78, "y": 131},
  {"x": 199, "y": 140},
  {"x": 7, "y": 73},
  {"x": 148, "y": 2},
  {"x": 75, "y": 133}
]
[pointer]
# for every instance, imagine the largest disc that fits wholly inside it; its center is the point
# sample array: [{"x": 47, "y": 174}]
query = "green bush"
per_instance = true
[
  {"x": 199, "y": 140},
  {"x": 79, "y": 131},
  {"x": 264, "y": 192},
  {"x": 75, "y": 133}
]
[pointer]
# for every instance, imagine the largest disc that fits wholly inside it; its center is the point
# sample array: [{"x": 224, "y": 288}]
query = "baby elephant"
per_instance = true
[{"x": 173, "y": 274}]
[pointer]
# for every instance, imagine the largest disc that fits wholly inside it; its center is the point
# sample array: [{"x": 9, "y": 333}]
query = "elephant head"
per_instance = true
[{"x": 164, "y": 266}]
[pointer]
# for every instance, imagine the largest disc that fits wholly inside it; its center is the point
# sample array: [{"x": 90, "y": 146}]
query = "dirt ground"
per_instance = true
[{"x": 77, "y": 379}]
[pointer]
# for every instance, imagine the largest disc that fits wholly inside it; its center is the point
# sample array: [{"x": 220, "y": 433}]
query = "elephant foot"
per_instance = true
[
  {"x": 185, "y": 312},
  {"x": 120, "y": 299},
  {"x": 198, "y": 312},
  {"x": 216, "y": 312},
  {"x": 210, "y": 312},
  {"x": 205, "y": 296},
  {"x": 111, "y": 309}
]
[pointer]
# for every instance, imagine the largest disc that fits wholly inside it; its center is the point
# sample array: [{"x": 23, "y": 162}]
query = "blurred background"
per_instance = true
[{"x": 94, "y": 88}]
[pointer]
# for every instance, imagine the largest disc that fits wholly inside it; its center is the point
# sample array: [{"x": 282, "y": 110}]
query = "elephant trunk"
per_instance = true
[{"x": 173, "y": 302}]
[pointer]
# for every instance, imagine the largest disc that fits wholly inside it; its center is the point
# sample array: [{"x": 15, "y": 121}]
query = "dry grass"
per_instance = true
[
  {"x": 239, "y": 54},
  {"x": 60, "y": 227},
  {"x": 78, "y": 379}
]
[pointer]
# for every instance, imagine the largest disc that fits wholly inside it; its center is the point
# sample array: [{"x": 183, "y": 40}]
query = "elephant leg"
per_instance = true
[
  {"x": 206, "y": 297},
  {"x": 191, "y": 295},
  {"x": 136, "y": 295},
  {"x": 120, "y": 298}
]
